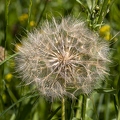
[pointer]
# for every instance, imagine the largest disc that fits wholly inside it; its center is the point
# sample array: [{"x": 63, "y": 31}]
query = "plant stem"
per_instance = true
[
  {"x": 84, "y": 107},
  {"x": 103, "y": 11},
  {"x": 118, "y": 107},
  {"x": 7, "y": 3},
  {"x": 78, "y": 112},
  {"x": 42, "y": 12},
  {"x": 29, "y": 15},
  {"x": 63, "y": 109},
  {"x": 2, "y": 68},
  {"x": 119, "y": 113},
  {"x": 107, "y": 111}
]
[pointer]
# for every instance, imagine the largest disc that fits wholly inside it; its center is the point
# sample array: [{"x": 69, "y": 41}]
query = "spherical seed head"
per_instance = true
[{"x": 63, "y": 59}]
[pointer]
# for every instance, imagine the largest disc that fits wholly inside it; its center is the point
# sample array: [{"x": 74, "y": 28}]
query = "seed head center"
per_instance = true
[{"x": 65, "y": 57}]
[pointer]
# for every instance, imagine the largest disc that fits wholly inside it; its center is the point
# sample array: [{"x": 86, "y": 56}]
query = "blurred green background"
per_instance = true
[{"x": 20, "y": 103}]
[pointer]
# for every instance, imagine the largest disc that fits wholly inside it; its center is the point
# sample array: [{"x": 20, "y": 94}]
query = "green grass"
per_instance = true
[{"x": 19, "y": 102}]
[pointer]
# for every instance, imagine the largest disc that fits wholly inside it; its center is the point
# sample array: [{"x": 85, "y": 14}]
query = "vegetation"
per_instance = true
[{"x": 19, "y": 101}]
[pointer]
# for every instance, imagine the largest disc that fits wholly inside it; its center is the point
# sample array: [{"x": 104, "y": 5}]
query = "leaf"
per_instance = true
[
  {"x": 8, "y": 58},
  {"x": 107, "y": 91},
  {"x": 74, "y": 118},
  {"x": 81, "y": 3},
  {"x": 89, "y": 4},
  {"x": 24, "y": 112},
  {"x": 20, "y": 100},
  {"x": 53, "y": 113}
]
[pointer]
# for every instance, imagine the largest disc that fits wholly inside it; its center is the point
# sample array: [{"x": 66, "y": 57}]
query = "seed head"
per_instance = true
[{"x": 63, "y": 58}]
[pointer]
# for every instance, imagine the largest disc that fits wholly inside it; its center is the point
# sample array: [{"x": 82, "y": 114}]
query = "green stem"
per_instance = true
[
  {"x": 2, "y": 70},
  {"x": 63, "y": 109},
  {"x": 7, "y": 3},
  {"x": 84, "y": 107},
  {"x": 42, "y": 12},
  {"x": 78, "y": 112},
  {"x": 1, "y": 63},
  {"x": 29, "y": 14},
  {"x": 103, "y": 11},
  {"x": 10, "y": 94},
  {"x": 119, "y": 113},
  {"x": 117, "y": 105},
  {"x": 107, "y": 111}
]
